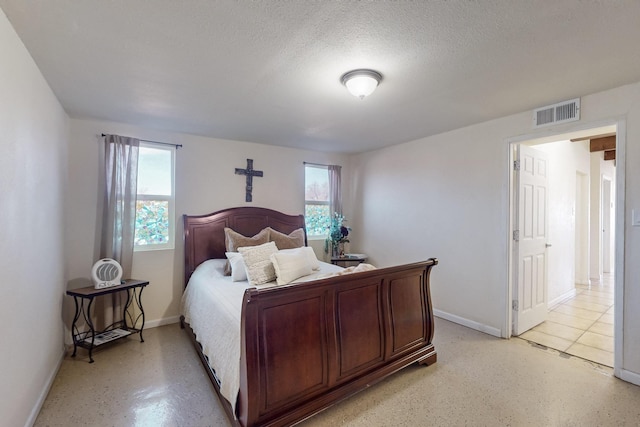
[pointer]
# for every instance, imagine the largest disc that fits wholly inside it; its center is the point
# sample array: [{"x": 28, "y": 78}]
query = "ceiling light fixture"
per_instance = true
[{"x": 361, "y": 82}]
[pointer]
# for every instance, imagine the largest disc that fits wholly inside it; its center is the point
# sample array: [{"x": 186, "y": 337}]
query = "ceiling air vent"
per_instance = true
[{"x": 562, "y": 112}]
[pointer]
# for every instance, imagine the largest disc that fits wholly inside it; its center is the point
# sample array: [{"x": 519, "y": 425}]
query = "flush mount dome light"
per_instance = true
[{"x": 361, "y": 83}]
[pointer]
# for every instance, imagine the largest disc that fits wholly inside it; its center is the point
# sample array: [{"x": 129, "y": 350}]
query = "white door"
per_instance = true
[{"x": 530, "y": 239}]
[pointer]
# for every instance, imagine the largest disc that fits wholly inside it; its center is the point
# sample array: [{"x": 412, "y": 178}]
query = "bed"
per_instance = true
[{"x": 303, "y": 347}]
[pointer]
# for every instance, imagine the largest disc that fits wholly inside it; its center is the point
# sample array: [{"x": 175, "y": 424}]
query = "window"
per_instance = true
[
  {"x": 155, "y": 200},
  {"x": 316, "y": 200}
]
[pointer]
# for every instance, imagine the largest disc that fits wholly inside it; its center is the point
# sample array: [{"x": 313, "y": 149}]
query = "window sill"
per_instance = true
[{"x": 152, "y": 249}]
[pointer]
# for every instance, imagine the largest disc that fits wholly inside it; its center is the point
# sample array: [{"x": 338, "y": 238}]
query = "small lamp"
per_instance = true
[{"x": 361, "y": 82}]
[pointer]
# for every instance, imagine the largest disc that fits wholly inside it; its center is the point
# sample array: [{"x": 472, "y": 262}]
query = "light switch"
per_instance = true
[{"x": 635, "y": 217}]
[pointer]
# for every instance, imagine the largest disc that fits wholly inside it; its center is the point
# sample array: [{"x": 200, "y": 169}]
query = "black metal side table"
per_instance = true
[
  {"x": 119, "y": 329},
  {"x": 348, "y": 260}
]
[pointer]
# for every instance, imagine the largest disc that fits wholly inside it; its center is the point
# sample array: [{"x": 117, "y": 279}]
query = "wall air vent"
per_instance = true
[{"x": 562, "y": 112}]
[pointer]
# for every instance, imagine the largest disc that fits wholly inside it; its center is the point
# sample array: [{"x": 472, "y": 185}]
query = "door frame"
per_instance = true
[
  {"x": 553, "y": 134},
  {"x": 605, "y": 218}
]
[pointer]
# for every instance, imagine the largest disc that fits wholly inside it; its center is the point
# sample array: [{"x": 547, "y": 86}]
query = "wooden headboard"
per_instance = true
[{"x": 204, "y": 234}]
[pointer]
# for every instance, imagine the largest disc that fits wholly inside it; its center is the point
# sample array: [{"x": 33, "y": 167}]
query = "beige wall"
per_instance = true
[
  {"x": 33, "y": 137},
  {"x": 599, "y": 169},
  {"x": 443, "y": 197},
  {"x": 566, "y": 158},
  {"x": 205, "y": 182},
  {"x": 447, "y": 196}
]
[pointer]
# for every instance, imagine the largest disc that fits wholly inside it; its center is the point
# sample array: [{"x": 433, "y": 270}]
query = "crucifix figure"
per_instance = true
[{"x": 250, "y": 173}]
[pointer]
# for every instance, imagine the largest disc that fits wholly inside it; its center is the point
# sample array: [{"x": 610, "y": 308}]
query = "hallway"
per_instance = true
[{"x": 581, "y": 326}]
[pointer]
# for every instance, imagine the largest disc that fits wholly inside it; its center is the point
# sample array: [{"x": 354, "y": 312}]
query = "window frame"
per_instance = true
[
  {"x": 316, "y": 202},
  {"x": 171, "y": 199}
]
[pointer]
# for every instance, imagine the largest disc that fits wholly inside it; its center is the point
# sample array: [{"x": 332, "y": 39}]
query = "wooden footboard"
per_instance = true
[{"x": 307, "y": 347}]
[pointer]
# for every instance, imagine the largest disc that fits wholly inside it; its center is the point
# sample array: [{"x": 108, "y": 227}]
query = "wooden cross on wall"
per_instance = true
[{"x": 250, "y": 173}]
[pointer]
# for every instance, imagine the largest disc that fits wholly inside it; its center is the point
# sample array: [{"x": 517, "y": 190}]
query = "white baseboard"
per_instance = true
[
  {"x": 161, "y": 322},
  {"x": 629, "y": 376},
  {"x": 45, "y": 391},
  {"x": 468, "y": 323},
  {"x": 562, "y": 298}
]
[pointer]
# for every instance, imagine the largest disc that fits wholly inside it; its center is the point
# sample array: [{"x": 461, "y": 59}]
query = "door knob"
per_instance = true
[{"x": 547, "y": 245}]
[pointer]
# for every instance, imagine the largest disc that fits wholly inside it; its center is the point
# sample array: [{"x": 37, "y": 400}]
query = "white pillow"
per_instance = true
[
  {"x": 309, "y": 253},
  {"x": 290, "y": 266},
  {"x": 238, "y": 269},
  {"x": 258, "y": 263}
]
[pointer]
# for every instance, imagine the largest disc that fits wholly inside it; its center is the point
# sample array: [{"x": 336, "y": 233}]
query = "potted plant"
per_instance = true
[{"x": 338, "y": 236}]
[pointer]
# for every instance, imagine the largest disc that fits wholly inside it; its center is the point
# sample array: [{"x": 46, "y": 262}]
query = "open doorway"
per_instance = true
[{"x": 577, "y": 262}]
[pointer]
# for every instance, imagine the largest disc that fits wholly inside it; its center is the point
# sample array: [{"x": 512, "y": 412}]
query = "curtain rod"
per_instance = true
[
  {"x": 315, "y": 164},
  {"x": 156, "y": 142},
  {"x": 319, "y": 164}
]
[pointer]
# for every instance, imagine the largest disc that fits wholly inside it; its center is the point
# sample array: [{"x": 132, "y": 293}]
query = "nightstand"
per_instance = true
[
  {"x": 348, "y": 260},
  {"x": 119, "y": 329}
]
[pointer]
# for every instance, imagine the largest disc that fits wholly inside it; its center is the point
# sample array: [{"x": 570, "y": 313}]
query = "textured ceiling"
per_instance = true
[{"x": 269, "y": 71}]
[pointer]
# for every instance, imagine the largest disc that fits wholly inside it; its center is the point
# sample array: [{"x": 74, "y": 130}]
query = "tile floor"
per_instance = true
[
  {"x": 581, "y": 326},
  {"x": 479, "y": 380}
]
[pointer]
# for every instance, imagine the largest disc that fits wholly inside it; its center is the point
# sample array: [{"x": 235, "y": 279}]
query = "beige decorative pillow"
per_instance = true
[
  {"x": 283, "y": 241},
  {"x": 233, "y": 240},
  {"x": 308, "y": 252},
  {"x": 290, "y": 266},
  {"x": 257, "y": 260}
]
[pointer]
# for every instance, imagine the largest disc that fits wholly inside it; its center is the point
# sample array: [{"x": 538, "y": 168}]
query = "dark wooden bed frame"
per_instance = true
[{"x": 306, "y": 347}]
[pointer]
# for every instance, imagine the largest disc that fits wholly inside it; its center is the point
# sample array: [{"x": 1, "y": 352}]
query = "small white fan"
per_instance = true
[{"x": 106, "y": 273}]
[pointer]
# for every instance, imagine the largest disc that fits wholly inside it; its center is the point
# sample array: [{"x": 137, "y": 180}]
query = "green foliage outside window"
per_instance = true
[
  {"x": 317, "y": 219},
  {"x": 152, "y": 222}
]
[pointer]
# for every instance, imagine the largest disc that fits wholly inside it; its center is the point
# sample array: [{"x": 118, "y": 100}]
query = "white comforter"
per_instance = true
[{"x": 212, "y": 305}]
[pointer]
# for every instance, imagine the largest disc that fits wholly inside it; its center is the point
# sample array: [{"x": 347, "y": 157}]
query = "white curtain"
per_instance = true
[
  {"x": 335, "y": 190},
  {"x": 119, "y": 169}
]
